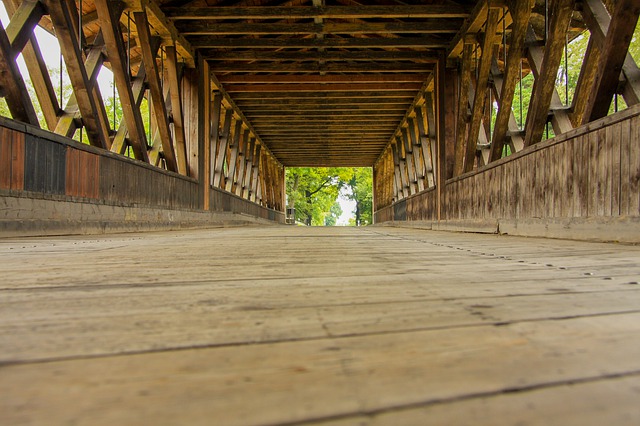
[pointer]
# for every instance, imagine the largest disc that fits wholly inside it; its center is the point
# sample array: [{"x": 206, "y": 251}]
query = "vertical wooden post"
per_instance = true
[
  {"x": 441, "y": 136},
  {"x": 204, "y": 131}
]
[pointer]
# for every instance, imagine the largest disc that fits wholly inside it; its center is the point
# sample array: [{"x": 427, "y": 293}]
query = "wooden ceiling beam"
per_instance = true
[
  {"x": 473, "y": 24},
  {"x": 437, "y": 26},
  {"x": 340, "y": 94},
  {"x": 332, "y": 78},
  {"x": 359, "y": 67},
  {"x": 215, "y": 42},
  {"x": 360, "y": 55},
  {"x": 315, "y": 88},
  {"x": 326, "y": 12}
]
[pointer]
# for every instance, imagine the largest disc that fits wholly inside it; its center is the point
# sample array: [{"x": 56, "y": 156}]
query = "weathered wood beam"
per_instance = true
[
  {"x": 62, "y": 18},
  {"x": 437, "y": 26},
  {"x": 404, "y": 175},
  {"x": 241, "y": 162},
  {"x": 245, "y": 187},
  {"x": 255, "y": 176},
  {"x": 233, "y": 156},
  {"x": 425, "y": 144},
  {"x": 352, "y": 113},
  {"x": 216, "y": 109},
  {"x": 38, "y": 73},
  {"x": 12, "y": 86},
  {"x": 164, "y": 28},
  {"x": 598, "y": 21},
  {"x": 360, "y": 67},
  {"x": 520, "y": 13},
  {"x": 339, "y": 94},
  {"x": 257, "y": 55},
  {"x": 463, "y": 108},
  {"x": 110, "y": 27},
  {"x": 613, "y": 54},
  {"x": 155, "y": 87},
  {"x": 535, "y": 55},
  {"x": 424, "y": 42},
  {"x": 544, "y": 85},
  {"x": 418, "y": 161},
  {"x": 22, "y": 24},
  {"x": 317, "y": 88},
  {"x": 397, "y": 177},
  {"x": 326, "y": 12},
  {"x": 324, "y": 79},
  {"x": 585, "y": 82},
  {"x": 176, "y": 109},
  {"x": 223, "y": 141},
  {"x": 472, "y": 25},
  {"x": 482, "y": 82}
]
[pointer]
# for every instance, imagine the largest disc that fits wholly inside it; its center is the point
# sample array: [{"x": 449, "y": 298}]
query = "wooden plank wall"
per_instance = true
[
  {"x": 591, "y": 171},
  {"x": 32, "y": 164},
  {"x": 222, "y": 201}
]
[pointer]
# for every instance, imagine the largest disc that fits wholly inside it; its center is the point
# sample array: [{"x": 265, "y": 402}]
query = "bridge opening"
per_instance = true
[{"x": 330, "y": 196}]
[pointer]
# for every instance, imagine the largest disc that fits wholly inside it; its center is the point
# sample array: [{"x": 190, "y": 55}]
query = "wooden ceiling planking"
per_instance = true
[{"x": 322, "y": 84}]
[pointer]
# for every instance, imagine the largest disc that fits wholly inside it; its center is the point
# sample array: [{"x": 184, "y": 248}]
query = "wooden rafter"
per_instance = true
[
  {"x": 598, "y": 21},
  {"x": 155, "y": 87},
  {"x": 544, "y": 84},
  {"x": 463, "y": 108},
  {"x": 482, "y": 82},
  {"x": 38, "y": 73},
  {"x": 110, "y": 27},
  {"x": 12, "y": 85},
  {"x": 63, "y": 19},
  {"x": 614, "y": 53},
  {"x": 176, "y": 109},
  {"x": 326, "y": 12},
  {"x": 520, "y": 13}
]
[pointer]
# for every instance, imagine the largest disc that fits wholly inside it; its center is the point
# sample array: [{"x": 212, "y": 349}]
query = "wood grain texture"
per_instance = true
[{"x": 400, "y": 329}]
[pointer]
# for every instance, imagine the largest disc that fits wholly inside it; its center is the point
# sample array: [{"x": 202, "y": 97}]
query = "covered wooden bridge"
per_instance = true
[{"x": 506, "y": 161}]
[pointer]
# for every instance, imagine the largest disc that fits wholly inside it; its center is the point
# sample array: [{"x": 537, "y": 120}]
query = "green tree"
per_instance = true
[
  {"x": 361, "y": 186},
  {"x": 313, "y": 192}
]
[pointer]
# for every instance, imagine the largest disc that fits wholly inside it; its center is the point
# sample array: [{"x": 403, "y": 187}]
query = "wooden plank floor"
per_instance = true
[{"x": 288, "y": 325}]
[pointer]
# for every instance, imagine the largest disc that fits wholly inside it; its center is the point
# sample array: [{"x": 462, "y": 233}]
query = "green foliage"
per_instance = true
[
  {"x": 361, "y": 185},
  {"x": 314, "y": 192}
]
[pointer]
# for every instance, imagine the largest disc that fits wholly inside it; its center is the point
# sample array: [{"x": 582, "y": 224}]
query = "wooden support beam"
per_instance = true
[
  {"x": 155, "y": 87},
  {"x": 410, "y": 158},
  {"x": 323, "y": 79},
  {"x": 544, "y": 84},
  {"x": 463, "y": 108},
  {"x": 418, "y": 161},
  {"x": 63, "y": 20},
  {"x": 255, "y": 176},
  {"x": 38, "y": 73},
  {"x": 614, "y": 52},
  {"x": 585, "y": 83},
  {"x": 339, "y": 94},
  {"x": 216, "y": 108},
  {"x": 405, "y": 182},
  {"x": 328, "y": 12},
  {"x": 397, "y": 175},
  {"x": 214, "y": 42},
  {"x": 110, "y": 27},
  {"x": 246, "y": 180},
  {"x": 481, "y": 88},
  {"x": 435, "y": 26},
  {"x": 204, "y": 133},
  {"x": 223, "y": 143},
  {"x": 535, "y": 53},
  {"x": 514, "y": 135},
  {"x": 303, "y": 67},
  {"x": 233, "y": 156},
  {"x": 22, "y": 24},
  {"x": 12, "y": 86},
  {"x": 598, "y": 21},
  {"x": 520, "y": 14},
  {"x": 241, "y": 163},
  {"x": 318, "y": 88},
  {"x": 425, "y": 144},
  {"x": 257, "y": 55},
  {"x": 439, "y": 106},
  {"x": 472, "y": 25},
  {"x": 176, "y": 109}
]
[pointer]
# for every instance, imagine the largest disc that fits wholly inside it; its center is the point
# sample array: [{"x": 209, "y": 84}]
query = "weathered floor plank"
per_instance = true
[{"x": 285, "y": 325}]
